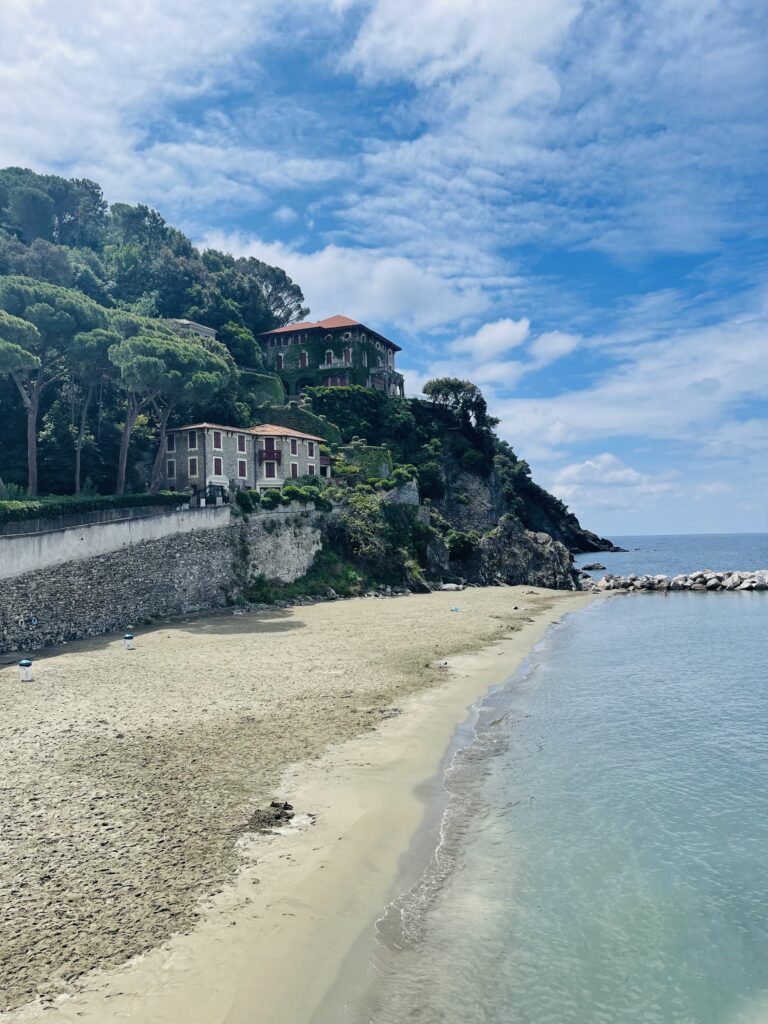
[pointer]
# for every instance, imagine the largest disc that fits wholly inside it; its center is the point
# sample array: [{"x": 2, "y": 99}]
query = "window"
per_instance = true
[
  {"x": 279, "y": 362},
  {"x": 242, "y": 468},
  {"x": 365, "y": 358},
  {"x": 170, "y": 443},
  {"x": 294, "y": 470},
  {"x": 328, "y": 358},
  {"x": 294, "y": 446},
  {"x": 192, "y": 440},
  {"x": 217, "y": 440},
  {"x": 171, "y": 469},
  {"x": 379, "y": 361},
  {"x": 269, "y": 470},
  {"x": 311, "y": 470},
  {"x": 303, "y": 360},
  {"x": 311, "y": 448},
  {"x": 378, "y": 344},
  {"x": 218, "y": 467},
  {"x": 193, "y": 467},
  {"x": 241, "y": 442},
  {"x": 269, "y": 444},
  {"x": 347, "y": 356},
  {"x": 347, "y": 335}
]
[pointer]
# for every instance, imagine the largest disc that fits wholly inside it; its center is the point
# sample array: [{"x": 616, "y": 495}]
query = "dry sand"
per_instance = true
[{"x": 128, "y": 779}]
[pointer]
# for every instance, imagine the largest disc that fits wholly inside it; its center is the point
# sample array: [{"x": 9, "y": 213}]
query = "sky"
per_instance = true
[{"x": 563, "y": 201}]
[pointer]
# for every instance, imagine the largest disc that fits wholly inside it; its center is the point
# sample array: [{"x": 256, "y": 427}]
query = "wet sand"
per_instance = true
[{"x": 129, "y": 779}]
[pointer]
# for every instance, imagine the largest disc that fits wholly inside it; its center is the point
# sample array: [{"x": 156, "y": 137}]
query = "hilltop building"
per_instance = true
[
  {"x": 190, "y": 327},
  {"x": 203, "y": 455},
  {"x": 333, "y": 352}
]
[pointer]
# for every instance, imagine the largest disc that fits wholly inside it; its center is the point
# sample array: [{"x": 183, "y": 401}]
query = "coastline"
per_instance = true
[{"x": 270, "y": 945}]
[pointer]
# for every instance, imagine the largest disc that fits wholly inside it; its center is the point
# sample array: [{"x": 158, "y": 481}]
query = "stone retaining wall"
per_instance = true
[
  {"x": 184, "y": 572},
  {"x": 26, "y": 553}
]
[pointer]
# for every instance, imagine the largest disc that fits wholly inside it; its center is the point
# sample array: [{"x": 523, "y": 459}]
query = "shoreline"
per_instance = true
[{"x": 271, "y": 945}]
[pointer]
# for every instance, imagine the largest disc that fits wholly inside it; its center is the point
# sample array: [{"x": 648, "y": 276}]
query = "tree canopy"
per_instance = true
[{"x": 91, "y": 367}]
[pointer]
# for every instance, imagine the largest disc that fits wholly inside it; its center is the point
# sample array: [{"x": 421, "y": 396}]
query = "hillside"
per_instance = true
[{"x": 93, "y": 369}]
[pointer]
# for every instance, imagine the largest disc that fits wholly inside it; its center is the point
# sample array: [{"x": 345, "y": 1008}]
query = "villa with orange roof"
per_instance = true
[{"x": 335, "y": 352}]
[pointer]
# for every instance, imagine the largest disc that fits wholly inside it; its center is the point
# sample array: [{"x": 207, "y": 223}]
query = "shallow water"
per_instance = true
[{"x": 604, "y": 849}]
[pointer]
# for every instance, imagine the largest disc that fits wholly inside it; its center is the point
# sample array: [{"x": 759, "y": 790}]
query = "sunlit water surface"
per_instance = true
[{"x": 603, "y": 851}]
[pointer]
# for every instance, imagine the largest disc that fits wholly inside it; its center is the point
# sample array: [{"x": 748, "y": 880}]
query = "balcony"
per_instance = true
[
  {"x": 265, "y": 455},
  {"x": 335, "y": 364}
]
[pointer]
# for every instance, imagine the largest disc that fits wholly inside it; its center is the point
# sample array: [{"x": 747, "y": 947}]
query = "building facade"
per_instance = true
[
  {"x": 333, "y": 352},
  {"x": 203, "y": 455},
  {"x": 190, "y": 327}
]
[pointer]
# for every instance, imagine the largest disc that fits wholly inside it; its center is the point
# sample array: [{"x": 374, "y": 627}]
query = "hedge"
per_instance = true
[{"x": 66, "y": 505}]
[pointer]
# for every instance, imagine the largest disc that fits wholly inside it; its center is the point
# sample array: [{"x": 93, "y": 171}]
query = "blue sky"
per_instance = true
[{"x": 563, "y": 201}]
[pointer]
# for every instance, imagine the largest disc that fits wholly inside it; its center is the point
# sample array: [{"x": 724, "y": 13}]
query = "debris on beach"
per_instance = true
[{"x": 265, "y": 819}]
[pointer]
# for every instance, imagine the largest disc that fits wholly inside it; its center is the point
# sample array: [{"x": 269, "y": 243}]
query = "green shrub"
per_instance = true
[
  {"x": 52, "y": 507},
  {"x": 476, "y": 462},
  {"x": 270, "y": 499},
  {"x": 403, "y": 474},
  {"x": 248, "y": 500},
  {"x": 291, "y": 492},
  {"x": 431, "y": 483},
  {"x": 462, "y": 545}
]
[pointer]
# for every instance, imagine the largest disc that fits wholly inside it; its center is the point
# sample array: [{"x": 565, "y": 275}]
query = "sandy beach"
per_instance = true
[{"x": 132, "y": 887}]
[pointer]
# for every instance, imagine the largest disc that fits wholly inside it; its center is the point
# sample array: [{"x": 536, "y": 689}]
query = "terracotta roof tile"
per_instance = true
[
  {"x": 330, "y": 323},
  {"x": 260, "y": 430}
]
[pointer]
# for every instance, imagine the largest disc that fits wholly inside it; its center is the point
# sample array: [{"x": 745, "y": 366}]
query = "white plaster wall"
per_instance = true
[{"x": 27, "y": 552}]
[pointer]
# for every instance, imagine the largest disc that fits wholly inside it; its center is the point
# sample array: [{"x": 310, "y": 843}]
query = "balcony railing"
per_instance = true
[
  {"x": 265, "y": 455},
  {"x": 335, "y": 364}
]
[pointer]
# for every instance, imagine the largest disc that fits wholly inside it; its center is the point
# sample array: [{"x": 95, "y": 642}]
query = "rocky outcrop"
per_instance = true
[
  {"x": 511, "y": 555},
  {"x": 471, "y": 502},
  {"x": 703, "y": 580}
]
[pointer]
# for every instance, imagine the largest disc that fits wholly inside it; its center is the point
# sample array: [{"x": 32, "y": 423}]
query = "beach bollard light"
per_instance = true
[
  {"x": 128, "y": 642},
  {"x": 25, "y": 670}
]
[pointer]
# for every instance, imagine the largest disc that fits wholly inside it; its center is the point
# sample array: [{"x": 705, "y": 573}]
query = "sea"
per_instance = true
[{"x": 596, "y": 851}]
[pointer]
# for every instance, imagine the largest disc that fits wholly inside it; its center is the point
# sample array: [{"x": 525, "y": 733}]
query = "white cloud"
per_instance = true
[
  {"x": 493, "y": 339},
  {"x": 683, "y": 388},
  {"x": 551, "y": 346},
  {"x": 604, "y": 482}
]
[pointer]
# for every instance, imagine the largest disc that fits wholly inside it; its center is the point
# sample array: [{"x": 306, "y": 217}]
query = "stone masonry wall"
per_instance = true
[{"x": 174, "y": 575}]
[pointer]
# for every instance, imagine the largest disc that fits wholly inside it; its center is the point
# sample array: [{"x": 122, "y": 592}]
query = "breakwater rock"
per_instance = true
[{"x": 701, "y": 580}]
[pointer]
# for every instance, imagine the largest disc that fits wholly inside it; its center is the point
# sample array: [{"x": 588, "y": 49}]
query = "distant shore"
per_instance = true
[{"x": 132, "y": 777}]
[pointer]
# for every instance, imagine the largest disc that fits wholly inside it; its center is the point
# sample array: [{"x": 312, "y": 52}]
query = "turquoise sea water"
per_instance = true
[{"x": 602, "y": 846}]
